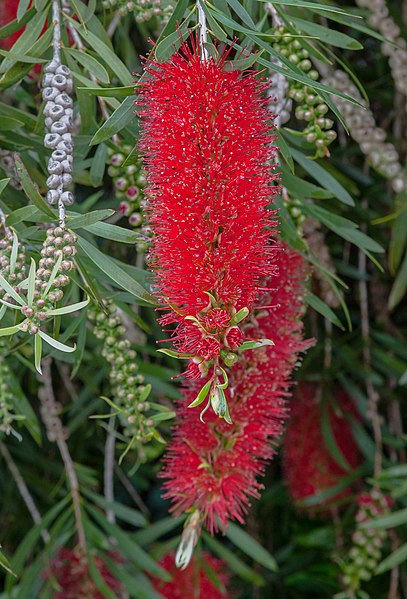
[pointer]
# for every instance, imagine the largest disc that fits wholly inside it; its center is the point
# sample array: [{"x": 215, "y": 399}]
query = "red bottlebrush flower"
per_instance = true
[
  {"x": 212, "y": 467},
  {"x": 8, "y": 12},
  {"x": 69, "y": 569},
  {"x": 193, "y": 582},
  {"x": 207, "y": 150},
  {"x": 308, "y": 465}
]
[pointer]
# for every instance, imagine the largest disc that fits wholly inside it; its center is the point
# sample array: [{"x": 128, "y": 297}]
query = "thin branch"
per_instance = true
[
  {"x": 50, "y": 410},
  {"x": 108, "y": 474},
  {"x": 113, "y": 24},
  {"x": 23, "y": 489},
  {"x": 131, "y": 490},
  {"x": 372, "y": 395},
  {"x": 203, "y": 32}
]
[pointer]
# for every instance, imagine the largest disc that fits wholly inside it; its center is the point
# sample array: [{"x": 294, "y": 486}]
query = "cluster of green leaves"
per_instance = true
[{"x": 281, "y": 552}]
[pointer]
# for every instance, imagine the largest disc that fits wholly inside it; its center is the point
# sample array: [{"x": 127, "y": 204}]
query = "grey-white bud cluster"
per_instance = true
[
  {"x": 8, "y": 164},
  {"x": 57, "y": 89},
  {"x": 382, "y": 155},
  {"x": 380, "y": 20}
]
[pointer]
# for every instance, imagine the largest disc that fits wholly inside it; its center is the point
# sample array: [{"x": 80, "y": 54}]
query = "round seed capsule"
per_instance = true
[
  {"x": 54, "y": 167},
  {"x": 52, "y": 196},
  {"x": 63, "y": 70},
  {"x": 59, "y": 127},
  {"x": 63, "y": 100},
  {"x": 56, "y": 112},
  {"x": 66, "y": 179},
  {"x": 67, "y": 198},
  {"x": 49, "y": 93},
  {"x": 67, "y": 166},
  {"x": 59, "y": 81},
  {"x": 54, "y": 181},
  {"x": 51, "y": 140}
]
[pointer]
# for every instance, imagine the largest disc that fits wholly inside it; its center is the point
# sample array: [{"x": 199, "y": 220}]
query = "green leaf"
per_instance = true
[
  {"x": 3, "y": 185},
  {"x": 91, "y": 64},
  {"x": 109, "y": 92},
  {"x": 174, "y": 354},
  {"x": 251, "y": 547},
  {"x": 14, "y": 253},
  {"x": 53, "y": 275},
  {"x": 9, "y": 124},
  {"x": 128, "y": 547},
  {"x": 68, "y": 309},
  {"x": 330, "y": 440},
  {"x": 5, "y": 564},
  {"x": 113, "y": 232},
  {"x": 31, "y": 283},
  {"x": 84, "y": 220},
  {"x": 235, "y": 564},
  {"x": 324, "y": 178},
  {"x": 26, "y": 40},
  {"x": 320, "y": 306},
  {"x": 201, "y": 395},
  {"x": 308, "y": 4},
  {"x": 30, "y": 189},
  {"x": 37, "y": 352},
  {"x": 242, "y": 13},
  {"x": 105, "y": 53},
  {"x": 240, "y": 64},
  {"x": 327, "y": 35},
  {"x": 9, "y": 330},
  {"x": 21, "y": 214},
  {"x": 389, "y": 521},
  {"x": 9, "y": 289},
  {"x": 170, "y": 44},
  {"x": 254, "y": 344},
  {"x": 393, "y": 560},
  {"x": 22, "y": 8},
  {"x": 97, "y": 169},
  {"x": 123, "y": 512},
  {"x": 114, "y": 272},
  {"x": 117, "y": 121},
  {"x": 399, "y": 287},
  {"x": 56, "y": 344}
]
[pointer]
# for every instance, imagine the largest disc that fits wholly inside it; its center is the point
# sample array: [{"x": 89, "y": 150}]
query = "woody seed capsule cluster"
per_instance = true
[
  {"x": 312, "y": 108},
  {"x": 58, "y": 112},
  {"x": 365, "y": 553},
  {"x": 382, "y": 156},
  {"x": 380, "y": 20},
  {"x": 128, "y": 388},
  {"x": 59, "y": 243}
]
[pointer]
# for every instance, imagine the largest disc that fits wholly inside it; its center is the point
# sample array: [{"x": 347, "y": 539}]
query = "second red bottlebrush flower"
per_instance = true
[
  {"x": 211, "y": 470},
  {"x": 309, "y": 466},
  {"x": 207, "y": 148}
]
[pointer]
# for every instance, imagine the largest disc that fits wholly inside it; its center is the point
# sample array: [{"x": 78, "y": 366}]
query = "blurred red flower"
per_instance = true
[{"x": 309, "y": 466}]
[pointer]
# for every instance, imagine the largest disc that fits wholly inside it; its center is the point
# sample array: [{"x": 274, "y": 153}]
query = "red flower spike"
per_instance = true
[
  {"x": 69, "y": 569},
  {"x": 193, "y": 582},
  {"x": 308, "y": 465},
  {"x": 207, "y": 150},
  {"x": 213, "y": 468}
]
